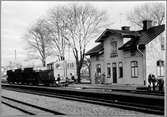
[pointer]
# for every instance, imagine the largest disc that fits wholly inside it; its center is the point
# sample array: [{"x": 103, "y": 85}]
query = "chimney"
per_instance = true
[
  {"x": 147, "y": 24},
  {"x": 127, "y": 28}
]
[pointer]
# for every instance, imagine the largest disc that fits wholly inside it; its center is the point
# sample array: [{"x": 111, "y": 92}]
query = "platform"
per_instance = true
[{"x": 120, "y": 87}]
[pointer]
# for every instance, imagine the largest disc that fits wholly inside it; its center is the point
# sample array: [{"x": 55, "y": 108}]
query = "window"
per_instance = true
[
  {"x": 114, "y": 65},
  {"x": 98, "y": 68},
  {"x": 113, "y": 47},
  {"x": 72, "y": 65},
  {"x": 50, "y": 66},
  {"x": 162, "y": 43},
  {"x": 120, "y": 70},
  {"x": 134, "y": 69},
  {"x": 68, "y": 66},
  {"x": 160, "y": 68},
  {"x": 108, "y": 70}
]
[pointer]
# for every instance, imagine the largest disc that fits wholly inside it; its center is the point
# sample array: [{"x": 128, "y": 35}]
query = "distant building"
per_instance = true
[
  {"x": 128, "y": 57},
  {"x": 3, "y": 70}
]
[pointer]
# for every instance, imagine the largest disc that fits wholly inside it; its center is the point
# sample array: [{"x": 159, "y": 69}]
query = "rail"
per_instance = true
[
  {"x": 27, "y": 108},
  {"x": 138, "y": 102}
]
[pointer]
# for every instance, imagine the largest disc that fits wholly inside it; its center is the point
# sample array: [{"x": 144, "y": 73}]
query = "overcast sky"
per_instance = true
[{"x": 17, "y": 16}]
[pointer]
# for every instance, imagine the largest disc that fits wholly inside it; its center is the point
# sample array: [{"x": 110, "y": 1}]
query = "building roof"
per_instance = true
[
  {"x": 131, "y": 44},
  {"x": 150, "y": 34},
  {"x": 141, "y": 37},
  {"x": 125, "y": 33},
  {"x": 146, "y": 37},
  {"x": 97, "y": 49}
]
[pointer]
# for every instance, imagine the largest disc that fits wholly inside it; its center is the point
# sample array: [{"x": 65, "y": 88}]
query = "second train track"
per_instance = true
[
  {"x": 112, "y": 103},
  {"x": 28, "y": 108}
]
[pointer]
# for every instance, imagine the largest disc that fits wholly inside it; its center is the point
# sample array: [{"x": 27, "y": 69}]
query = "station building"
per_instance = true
[{"x": 128, "y": 57}]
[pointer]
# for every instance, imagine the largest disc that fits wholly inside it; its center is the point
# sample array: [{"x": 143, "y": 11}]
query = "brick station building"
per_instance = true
[{"x": 128, "y": 57}]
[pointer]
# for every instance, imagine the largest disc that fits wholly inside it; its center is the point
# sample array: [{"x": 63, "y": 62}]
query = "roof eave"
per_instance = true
[
  {"x": 127, "y": 48},
  {"x": 99, "y": 39},
  {"x": 95, "y": 53},
  {"x": 90, "y": 53}
]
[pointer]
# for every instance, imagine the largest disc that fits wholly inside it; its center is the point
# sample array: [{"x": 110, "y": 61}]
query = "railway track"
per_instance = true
[
  {"x": 28, "y": 108},
  {"x": 112, "y": 102},
  {"x": 135, "y": 91}
]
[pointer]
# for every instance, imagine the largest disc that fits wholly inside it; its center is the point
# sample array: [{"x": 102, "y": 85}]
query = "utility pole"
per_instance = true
[
  {"x": 15, "y": 58},
  {"x": 120, "y": 19},
  {"x": 15, "y": 55}
]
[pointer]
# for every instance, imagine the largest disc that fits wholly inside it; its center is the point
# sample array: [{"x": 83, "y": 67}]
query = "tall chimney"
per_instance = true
[
  {"x": 127, "y": 28},
  {"x": 147, "y": 24}
]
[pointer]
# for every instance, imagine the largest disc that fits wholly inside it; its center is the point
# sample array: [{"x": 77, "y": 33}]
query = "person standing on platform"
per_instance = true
[
  {"x": 58, "y": 78},
  {"x": 72, "y": 77}
]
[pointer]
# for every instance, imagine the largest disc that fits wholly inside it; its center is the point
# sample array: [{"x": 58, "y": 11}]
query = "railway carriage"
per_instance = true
[
  {"x": 45, "y": 77},
  {"x": 28, "y": 76},
  {"x": 11, "y": 77}
]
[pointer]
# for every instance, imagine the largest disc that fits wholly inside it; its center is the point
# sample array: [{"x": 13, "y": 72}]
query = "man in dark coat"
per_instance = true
[
  {"x": 58, "y": 78},
  {"x": 72, "y": 77}
]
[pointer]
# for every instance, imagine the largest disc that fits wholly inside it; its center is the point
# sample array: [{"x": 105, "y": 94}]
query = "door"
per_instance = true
[
  {"x": 114, "y": 70},
  {"x": 98, "y": 74}
]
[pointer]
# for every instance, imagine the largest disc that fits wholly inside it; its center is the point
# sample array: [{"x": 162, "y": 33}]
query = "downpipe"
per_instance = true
[{"x": 142, "y": 63}]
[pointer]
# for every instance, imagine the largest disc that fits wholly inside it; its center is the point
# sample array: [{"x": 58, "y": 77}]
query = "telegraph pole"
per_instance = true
[
  {"x": 15, "y": 57},
  {"x": 120, "y": 19}
]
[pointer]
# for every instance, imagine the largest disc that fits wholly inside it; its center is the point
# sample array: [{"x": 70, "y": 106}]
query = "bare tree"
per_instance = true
[
  {"x": 80, "y": 24},
  {"x": 57, "y": 28},
  {"x": 154, "y": 12},
  {"x": 38, "y": 41}
]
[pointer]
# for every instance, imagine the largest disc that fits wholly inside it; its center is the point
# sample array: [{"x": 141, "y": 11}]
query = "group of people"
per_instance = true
[
  {"x": 99, "y": 78},
  {"x": 154, "y": 82},
  {"x": 67, "y": 79}
]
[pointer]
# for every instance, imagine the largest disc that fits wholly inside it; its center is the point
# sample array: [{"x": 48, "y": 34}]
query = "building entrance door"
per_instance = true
[{"x": 114, "y": 70}]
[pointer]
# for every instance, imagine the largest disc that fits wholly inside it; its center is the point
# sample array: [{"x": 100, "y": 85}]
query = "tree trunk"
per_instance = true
[
  {"x": 43, "y": 63},
  {"x": 78, "y": 74},
  {"x": 78, "y": 68}
]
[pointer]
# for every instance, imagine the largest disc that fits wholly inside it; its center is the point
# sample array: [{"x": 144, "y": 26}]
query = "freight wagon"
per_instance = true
[{"x": 30, "y": 76}]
